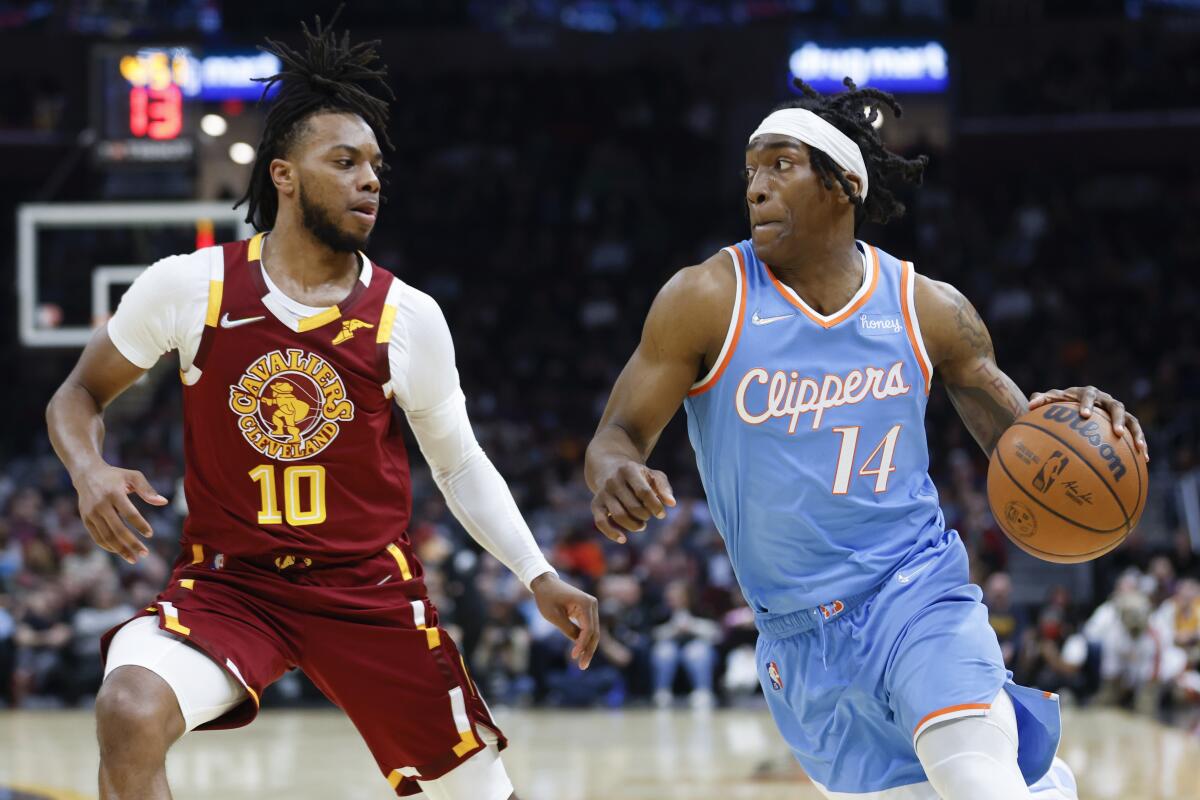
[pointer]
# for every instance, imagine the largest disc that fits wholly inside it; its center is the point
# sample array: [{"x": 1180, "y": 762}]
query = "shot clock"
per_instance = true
[{"x": 147, "y": 101}]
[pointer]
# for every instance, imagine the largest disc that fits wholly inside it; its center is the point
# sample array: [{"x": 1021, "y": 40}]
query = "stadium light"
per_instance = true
[
  {"x": 214, "y": 125},
  {"x": 241, "y": 153}
]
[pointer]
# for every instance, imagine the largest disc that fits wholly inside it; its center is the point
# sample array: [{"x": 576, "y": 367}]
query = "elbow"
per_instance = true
[
  {"x": 447, "y": 474},
  {"x": 56, "y": 399}
]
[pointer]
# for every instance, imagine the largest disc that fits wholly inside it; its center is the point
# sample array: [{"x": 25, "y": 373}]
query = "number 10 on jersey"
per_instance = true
[
  {"x": 299, "y": 507},
  {"x": 885, "y": 450}
]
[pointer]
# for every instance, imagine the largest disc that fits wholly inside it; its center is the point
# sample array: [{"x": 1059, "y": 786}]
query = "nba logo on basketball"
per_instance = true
[{"x": 773, "y": 674}]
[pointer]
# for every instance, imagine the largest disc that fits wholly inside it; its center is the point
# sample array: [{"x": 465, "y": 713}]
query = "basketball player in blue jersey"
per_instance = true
[{"x": 804, "y": 360}]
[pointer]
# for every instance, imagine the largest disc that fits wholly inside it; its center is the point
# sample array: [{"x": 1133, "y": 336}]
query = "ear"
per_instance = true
[
  {"x": 856, "y": 182},
  {"x": 283, "y": 175}
]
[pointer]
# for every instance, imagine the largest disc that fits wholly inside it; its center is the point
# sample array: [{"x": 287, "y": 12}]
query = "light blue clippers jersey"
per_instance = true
[{"x": 809, "y": 435}]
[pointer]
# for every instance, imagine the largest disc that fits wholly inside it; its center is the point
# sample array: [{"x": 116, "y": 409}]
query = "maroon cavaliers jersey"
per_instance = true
[{"x": 292, "y": 446}]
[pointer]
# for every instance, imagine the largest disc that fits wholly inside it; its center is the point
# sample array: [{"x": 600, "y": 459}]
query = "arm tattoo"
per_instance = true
[
  {"x": 988, "y": 403},
  {"x": 971, "y": 327},
  {"x": 985, "y": 398}
]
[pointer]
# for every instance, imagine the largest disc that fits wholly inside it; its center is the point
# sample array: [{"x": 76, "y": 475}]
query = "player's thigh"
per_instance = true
[
  {"x": 202, "y": 689},
  {"x": 405, "y": 688},
  {"x": 481, "y": 777},
  {"x": 946, "y": 662},
  {"x": 823, "y": 690}
]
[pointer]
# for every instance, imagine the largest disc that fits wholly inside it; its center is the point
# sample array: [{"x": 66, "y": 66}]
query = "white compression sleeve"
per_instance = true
[
  {"x": 425, "y": 384},
  {"x": 975, "y": 758},
  {"x": 474, "y": 489}
]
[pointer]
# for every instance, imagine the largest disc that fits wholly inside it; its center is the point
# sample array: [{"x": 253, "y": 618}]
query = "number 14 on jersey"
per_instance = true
[{"x": 885, "y": 451}]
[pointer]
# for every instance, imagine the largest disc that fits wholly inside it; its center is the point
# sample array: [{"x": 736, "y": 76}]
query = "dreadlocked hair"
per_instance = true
[
  {"x": 853, "y": 112},
  {"x": 326, "y": 74}
]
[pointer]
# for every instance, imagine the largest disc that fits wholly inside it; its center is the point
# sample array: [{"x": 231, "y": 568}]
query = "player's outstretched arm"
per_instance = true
[
  {"x": 684, "y": 331},
  {"x": 75, "y": 419},
  {"x": 960, "y": 349},
  {"x": 425, "y": 384}
]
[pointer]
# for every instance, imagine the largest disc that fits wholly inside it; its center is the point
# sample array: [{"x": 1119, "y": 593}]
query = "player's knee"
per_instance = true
[
  {"x": 973, "y": 758},
  {"x": 136, "y": 710}
]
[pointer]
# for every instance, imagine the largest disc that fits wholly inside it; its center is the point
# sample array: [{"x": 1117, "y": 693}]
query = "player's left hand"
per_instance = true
[
  {"x": 1088, "y": 397},
  {"x": 574, "y": 612}
]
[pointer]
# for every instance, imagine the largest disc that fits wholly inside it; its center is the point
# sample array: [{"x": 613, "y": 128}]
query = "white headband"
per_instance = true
[{"x": 802, "y": 124}]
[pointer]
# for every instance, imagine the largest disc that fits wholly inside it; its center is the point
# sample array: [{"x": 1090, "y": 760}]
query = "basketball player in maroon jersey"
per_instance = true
[{"x": 294, "y": 350}]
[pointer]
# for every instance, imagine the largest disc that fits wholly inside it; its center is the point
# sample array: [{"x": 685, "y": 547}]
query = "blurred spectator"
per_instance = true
[
  {"x": 502, "y": 654},
  {"x": 738, "y": 648},
  {"x": 603, "y": 682},
  {"x": 1006, "y": 621},
  {"x": 11, "y": 557},
  {"x": 43, "y": 639},
  {"x": 103, "y": 610},
  {"x": 1052, "y": 657},
  {"x": 1178, "y": 619},
  {"x": 1135, "y": 661},
  {"x": 687, "y": 638},
  {"x": 8, "y": 649},
  {"x": 1159, "y": 583},
  {"x": 580, "y": 553}
]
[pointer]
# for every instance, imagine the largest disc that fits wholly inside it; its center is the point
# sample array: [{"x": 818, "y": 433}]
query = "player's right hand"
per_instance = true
[
  {"x": 630, "y": 495},
  {"x": 108, "y": 513}
]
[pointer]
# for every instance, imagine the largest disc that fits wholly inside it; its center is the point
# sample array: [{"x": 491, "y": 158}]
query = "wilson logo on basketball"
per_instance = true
[
  {"x": 290, "y": 404},
  {"x": 1089, "y": 431}
]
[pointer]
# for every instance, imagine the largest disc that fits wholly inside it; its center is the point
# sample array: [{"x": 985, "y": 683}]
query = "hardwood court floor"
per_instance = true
[{"x": 555, "y": 755}]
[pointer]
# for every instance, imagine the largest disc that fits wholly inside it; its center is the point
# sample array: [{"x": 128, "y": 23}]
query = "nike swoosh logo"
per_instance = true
[
  {"x": 226, "y": 322},
  {"x": 900, "y": 576},
  {"x": 757, "y": 320}
]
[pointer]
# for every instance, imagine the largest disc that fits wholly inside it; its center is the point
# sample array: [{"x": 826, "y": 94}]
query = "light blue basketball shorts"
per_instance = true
[{"x": 852, "y": 683}]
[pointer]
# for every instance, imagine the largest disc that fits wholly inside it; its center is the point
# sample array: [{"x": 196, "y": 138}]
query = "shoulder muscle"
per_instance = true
[
  {"x": 951, "y": 326},
  {"x": 691, "y": 314}
]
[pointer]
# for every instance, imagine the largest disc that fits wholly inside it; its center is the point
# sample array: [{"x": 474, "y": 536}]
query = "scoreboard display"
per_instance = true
[
  {"x": 147, "y": 101},
  {"x": 141, "y": 113}
]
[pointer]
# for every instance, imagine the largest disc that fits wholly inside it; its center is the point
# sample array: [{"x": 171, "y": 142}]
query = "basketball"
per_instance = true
[{"x": 1063, "y": 487}]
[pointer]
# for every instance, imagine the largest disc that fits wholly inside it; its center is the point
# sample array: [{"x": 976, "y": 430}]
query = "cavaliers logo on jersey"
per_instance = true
[{"x": 290, "y": 404}]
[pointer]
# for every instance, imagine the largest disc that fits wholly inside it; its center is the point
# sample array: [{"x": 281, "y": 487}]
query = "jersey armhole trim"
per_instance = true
[
  {"x": 212, "y": 317},
  {"x": 735, "y": 326},
  {"x": 912, "y": 325},
  {"x": 383, "y": 336}
]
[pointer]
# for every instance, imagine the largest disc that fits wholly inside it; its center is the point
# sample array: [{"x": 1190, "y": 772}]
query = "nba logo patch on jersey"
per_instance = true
[
  {"x": 773, "y": 674},
  {"x": 880, "y": 324}
]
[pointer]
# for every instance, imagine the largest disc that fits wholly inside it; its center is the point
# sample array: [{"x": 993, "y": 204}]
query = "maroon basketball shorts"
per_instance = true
[{"x": 364, "y": 633}]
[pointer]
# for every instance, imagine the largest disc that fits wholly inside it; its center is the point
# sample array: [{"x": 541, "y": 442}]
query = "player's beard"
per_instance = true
[{"x": 320, "y": 223}]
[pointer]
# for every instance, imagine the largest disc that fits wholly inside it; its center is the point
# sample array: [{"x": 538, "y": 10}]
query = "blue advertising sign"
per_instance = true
[
  {"x": 919, "y": 68},
  {"x": 230, "y": 76}
]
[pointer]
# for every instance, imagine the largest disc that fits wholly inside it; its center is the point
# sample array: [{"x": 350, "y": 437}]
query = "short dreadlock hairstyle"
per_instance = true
[
  {"x": 852, "y": 112},
  {"x": 328, "y": 74}
]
